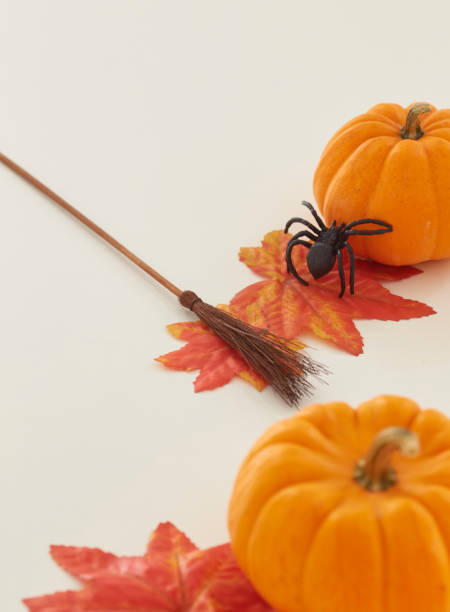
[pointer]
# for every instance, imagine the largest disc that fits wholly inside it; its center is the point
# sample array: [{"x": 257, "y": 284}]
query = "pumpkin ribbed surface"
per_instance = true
[
  {"x": 369, "y": 170},
  {"x": 312, "y": 539}
]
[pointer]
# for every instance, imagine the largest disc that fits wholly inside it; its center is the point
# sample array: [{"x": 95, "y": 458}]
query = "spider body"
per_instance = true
[
  {"x": 322, "y": 254},
  {"x": 325, "y": 245}
]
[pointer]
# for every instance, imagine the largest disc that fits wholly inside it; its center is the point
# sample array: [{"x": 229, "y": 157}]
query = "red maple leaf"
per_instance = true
[
  {"x": 172, "y": 576},
  {"x": 218, "y": 363},
  {"x": 288, "y": 308}
]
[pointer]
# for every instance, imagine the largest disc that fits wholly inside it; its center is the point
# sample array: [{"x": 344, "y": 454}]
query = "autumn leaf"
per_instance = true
[
  {"x": 288, "y": 308},
  {"x": 172, "y": 576},
  {"x": 218, "y": 363}
]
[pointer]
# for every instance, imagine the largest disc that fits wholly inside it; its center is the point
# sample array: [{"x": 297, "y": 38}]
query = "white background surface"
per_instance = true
[{"x": 186, "y": 129}]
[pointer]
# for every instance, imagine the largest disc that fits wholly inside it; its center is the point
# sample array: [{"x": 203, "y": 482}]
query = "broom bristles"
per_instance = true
[{"x": 270, "y": 356}]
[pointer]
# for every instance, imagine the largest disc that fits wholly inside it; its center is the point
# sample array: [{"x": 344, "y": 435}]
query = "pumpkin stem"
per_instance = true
[
  {"x": 374, "y": 472},
  {"x": 412, "y": 128}
]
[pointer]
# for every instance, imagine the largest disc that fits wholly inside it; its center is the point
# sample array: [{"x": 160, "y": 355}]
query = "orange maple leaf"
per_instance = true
[
  {"x": 218, "y": 363},
  {"x": 172, "y": 576},
  {"x": 288, "y": 308}
]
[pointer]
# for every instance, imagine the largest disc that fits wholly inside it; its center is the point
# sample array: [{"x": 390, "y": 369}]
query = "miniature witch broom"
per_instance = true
[{"x": 270, "y": 356}]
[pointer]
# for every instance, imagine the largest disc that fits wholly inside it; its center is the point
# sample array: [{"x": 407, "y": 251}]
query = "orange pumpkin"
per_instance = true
[
  {"x": 391, "y": 164},
  {"x": 325, "y": 516}
]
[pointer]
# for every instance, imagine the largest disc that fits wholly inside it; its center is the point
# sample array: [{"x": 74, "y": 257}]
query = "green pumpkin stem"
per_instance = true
[
  {"x": 412, "y": 128},
  {"x": 374, "y": 472}
]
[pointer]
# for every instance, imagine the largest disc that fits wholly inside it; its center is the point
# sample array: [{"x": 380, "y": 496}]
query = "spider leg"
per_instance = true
[
  {"x": 304, "y": 233},
  {"x": 387, "y": 227},
  {"x": 374, "y": 221},
  {"x": 314, "y": 214},
  {"x": 300, "y": 220},
  {"x": 341, "y": 272},
  {"x": 367, "y": 232},
  {"x": 292, "y": 243},
  {"x": 352, "y": 267}
]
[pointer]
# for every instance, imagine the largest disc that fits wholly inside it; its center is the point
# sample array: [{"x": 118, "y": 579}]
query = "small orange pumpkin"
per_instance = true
[
  {"x": 326, "y": 517},
  {"x": 391, "y": 164}
]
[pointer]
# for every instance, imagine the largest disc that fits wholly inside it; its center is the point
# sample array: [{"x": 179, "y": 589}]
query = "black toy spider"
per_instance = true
[{"x": 327, "y": 244}]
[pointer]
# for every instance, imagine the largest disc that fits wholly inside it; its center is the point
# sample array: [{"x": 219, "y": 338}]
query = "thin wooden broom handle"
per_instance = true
[{"x": 90, "y": 224}]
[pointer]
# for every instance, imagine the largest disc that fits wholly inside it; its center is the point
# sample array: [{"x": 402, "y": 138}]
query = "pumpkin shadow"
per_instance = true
[{"x": 435, "y": 273}]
